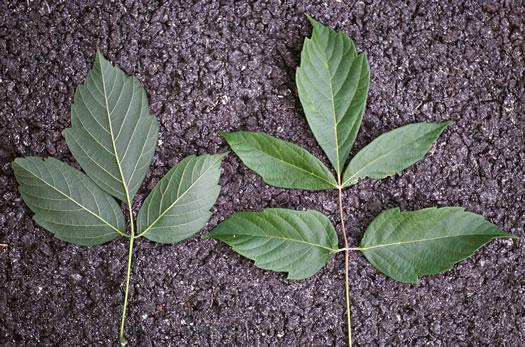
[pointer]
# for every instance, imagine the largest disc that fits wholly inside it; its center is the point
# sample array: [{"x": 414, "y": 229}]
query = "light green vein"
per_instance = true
[{"x": 423, "y": 240}]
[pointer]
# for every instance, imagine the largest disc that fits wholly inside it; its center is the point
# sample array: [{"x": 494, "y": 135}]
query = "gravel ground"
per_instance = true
[{"x": 220, "y": 65}]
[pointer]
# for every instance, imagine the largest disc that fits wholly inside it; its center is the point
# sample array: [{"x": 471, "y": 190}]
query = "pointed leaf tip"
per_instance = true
[
  {"x": 316, "y": 25},
  {"x": 393, "y": 152},
  {"x": 310, "y": 18},
  {"x": 332, "y": 83},
  {"x": 405, "y": 245}
]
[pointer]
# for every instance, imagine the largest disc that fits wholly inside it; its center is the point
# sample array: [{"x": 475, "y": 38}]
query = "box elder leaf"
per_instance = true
[
  {"x": 332, "y": 82},
  {"x": 403, "y": 245},
  {"x": 67, "y": 203},
  {"x": 282, "y": 240},
  {"x": 179, "y": 205},
  {"x": 112, "y": 136},
  {"x": 280, "y": 163}
]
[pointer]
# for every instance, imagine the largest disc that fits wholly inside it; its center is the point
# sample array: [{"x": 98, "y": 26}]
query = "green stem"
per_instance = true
[
  {"x": 346, "y": 249},
  {"x": 349, "y": 249},
  {"x": 123, "y": 341}
]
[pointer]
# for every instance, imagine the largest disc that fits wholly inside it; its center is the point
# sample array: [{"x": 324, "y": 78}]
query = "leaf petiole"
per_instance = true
[
  {"x": 346, "y": 249},
  {"x": 131, "y": 237},
  {"x": 123, "y": 341}
]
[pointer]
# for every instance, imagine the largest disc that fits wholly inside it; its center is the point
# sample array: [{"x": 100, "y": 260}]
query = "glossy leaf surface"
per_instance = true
[
  {"x": 280, "y": 163},
  {"x": 179, "y": 205},
  {"x": 113, "y": 135},
  {"x": 403, "y": 245},
  {"x": 297, "y": 242},
  {"x": 393, "y": 152},
  {"x": 332, "y": 82},
  {"x": 67, "y": 203}
]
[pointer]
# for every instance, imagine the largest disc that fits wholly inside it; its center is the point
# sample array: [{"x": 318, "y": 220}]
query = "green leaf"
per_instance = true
[
  {"x": 297, "y": 242},
  {"x": 67, "y": 203},
  {"x": 403, "y": 245},
  {"x": 332, "y": 82},
  {"x": 179, "y": 205},
  {"x": 280, "y": 163},
  {"x": 393, "y": 152},
  {"x": 113, "y": 135}
]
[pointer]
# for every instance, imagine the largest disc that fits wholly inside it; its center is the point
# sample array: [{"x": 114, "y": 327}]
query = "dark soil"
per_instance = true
[{"x": 216, "y": 65}]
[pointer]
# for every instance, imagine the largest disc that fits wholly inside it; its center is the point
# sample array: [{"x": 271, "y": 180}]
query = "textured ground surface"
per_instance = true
[{"x": 220, "y": 66}]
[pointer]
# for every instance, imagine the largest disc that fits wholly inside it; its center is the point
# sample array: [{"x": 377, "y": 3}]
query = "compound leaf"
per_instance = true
[
  {"x": 403, "y": 245},
  {"x": 297, "y": 242},
  {"x": 179, "y": 205},
  {"x": 67, "y": 203},
  {"x": 280, "y": 163},
  {"x": 332, "y": 82},
  {"x": 113, "y": 136},
  {"x": 393, "y": 152}
]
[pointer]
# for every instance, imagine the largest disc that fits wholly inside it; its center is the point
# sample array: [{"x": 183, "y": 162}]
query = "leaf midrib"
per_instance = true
[
  {"x": 423, "y": 240},
  {"x": 124, "y": 184},
  {"x": 287, "y": 239},
  {"x": 332, "y": 100}
]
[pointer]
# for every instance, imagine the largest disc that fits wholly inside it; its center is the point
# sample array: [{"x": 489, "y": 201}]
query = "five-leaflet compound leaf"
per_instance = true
[{"x": 332, "y": 82}]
